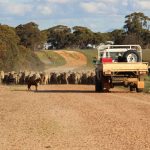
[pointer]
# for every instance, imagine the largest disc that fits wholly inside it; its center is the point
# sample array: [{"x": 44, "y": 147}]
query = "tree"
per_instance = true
[
  {"x": 136, "y": 22},
  {"x": 146, "y": 38},
  {"x": 118, "y": 36},
  {"x": 59, "y": 36},
  {"x": 82, "y": 37},
  {"x": 9, "y": 51},
  {"x": 30, "y": 35},
  {"x": 132, "y": 38},
  {"x": 101, "y": 38},
  {"x": 137, "y": 29}
]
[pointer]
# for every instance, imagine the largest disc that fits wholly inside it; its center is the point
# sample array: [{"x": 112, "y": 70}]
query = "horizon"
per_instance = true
[{"x": 98, "y": 15}]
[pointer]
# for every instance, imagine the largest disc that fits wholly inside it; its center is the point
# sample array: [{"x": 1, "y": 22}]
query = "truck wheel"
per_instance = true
[
  {"x": 131, "y": 56},
  {"x": 131, "y": 88},
  {"x": 139, "y": 90},
  {"x": 99, "y": 85}
]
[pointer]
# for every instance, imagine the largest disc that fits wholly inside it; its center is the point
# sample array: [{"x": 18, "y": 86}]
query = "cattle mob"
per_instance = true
[{"x": 32, "y": 78}]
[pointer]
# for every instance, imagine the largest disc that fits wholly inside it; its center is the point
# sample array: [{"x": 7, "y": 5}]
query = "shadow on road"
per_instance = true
[
  {"x": 78, "y": 91},
  {"x": 63, "y": 91},
  {"x": 121, "y": 92}
]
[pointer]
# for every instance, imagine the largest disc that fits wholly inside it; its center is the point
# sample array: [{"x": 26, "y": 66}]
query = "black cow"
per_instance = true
[{"x": 33, "y": 81}]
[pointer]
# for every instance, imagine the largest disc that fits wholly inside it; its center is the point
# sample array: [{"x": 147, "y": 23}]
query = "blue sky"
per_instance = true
[{"x": 98, "y": 15}]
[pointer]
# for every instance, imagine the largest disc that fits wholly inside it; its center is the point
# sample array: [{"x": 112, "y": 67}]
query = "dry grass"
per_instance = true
[
  {"x": 147, "y": 84},
  {"x": 50, "y": 58},
  {"x": 146, "y": 55}
]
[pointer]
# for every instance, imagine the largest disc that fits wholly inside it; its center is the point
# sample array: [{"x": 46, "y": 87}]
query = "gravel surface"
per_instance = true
[{"x": 73, "y": 117}]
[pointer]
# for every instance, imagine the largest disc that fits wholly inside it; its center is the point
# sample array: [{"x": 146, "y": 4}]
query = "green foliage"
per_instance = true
[
  {"x": 101, "y": 38},
  {"x": 79, "y": 37},
  {"x": 59, "y": 36},
  {"x": 146, "y": 38},
  {"x": 136, "y": 22},
  {"x": 9, "y": 51},
  {"x": 28, "y": 60},
  {"x": 30, "y": 35},
  {"x": 82, "y": 36},
  {"x": 14, "y": 56},
  {"x": 136, "y": 31},
  {"x": 117, "y": 36}
]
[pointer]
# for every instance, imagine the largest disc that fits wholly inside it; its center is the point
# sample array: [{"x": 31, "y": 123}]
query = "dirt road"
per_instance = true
[
  {"x": 73, "y": 118},
  {"x": 74, "y": 61}
]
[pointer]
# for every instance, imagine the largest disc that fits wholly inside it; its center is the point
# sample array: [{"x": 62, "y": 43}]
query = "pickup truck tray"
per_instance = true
[{"x": 124, "y": 67}]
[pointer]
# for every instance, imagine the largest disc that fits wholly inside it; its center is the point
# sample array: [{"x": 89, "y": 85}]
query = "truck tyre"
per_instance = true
[
  {"x": 131, "y": 56},
  {"x": 138, "y": 90},
  {"x": 99, "y": 85},
  {"x": 131, "y": 88}
]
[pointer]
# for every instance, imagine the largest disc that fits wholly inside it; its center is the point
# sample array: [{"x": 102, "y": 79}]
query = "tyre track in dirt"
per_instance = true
[
  {"x": 74, "y": 61},
  {"x": 73, "y": 117}
]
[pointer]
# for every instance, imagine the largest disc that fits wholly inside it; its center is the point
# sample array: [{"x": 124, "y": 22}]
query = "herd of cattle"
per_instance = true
[{"x": 25, "y": 77}]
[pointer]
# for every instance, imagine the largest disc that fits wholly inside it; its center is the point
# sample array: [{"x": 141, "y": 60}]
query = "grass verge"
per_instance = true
[
  {"x": 147, "y": 84},
  {"x": 89, "y": 53},
  {"x": 146, "y": 55},
  {"x": 50, "y": 58}
]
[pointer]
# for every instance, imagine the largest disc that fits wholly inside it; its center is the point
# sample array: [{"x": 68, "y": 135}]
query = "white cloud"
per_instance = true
[
  {"x": 19, "y": 9},
  {"x": 58, "y": 1},
  {"x": 45, "y": 10},
  {"x": 125, "y": 3},
  {"x": 102, "y": 14},
  {"x": 16, "y": 9},
  {"x": 107, "y": 1},
  {"x": 145, "y": 4},
  {"x": 99, "y": 7},
  {"x": 89, "y": 7},
  {"x": 93, "y": 7}
]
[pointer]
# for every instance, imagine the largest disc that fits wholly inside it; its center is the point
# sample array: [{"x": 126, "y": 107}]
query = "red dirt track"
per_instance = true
[{"x": 74, "y": 61}]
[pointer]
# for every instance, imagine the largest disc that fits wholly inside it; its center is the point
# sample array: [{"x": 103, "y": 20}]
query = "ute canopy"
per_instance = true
[{"x": 129, "y": 53}]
